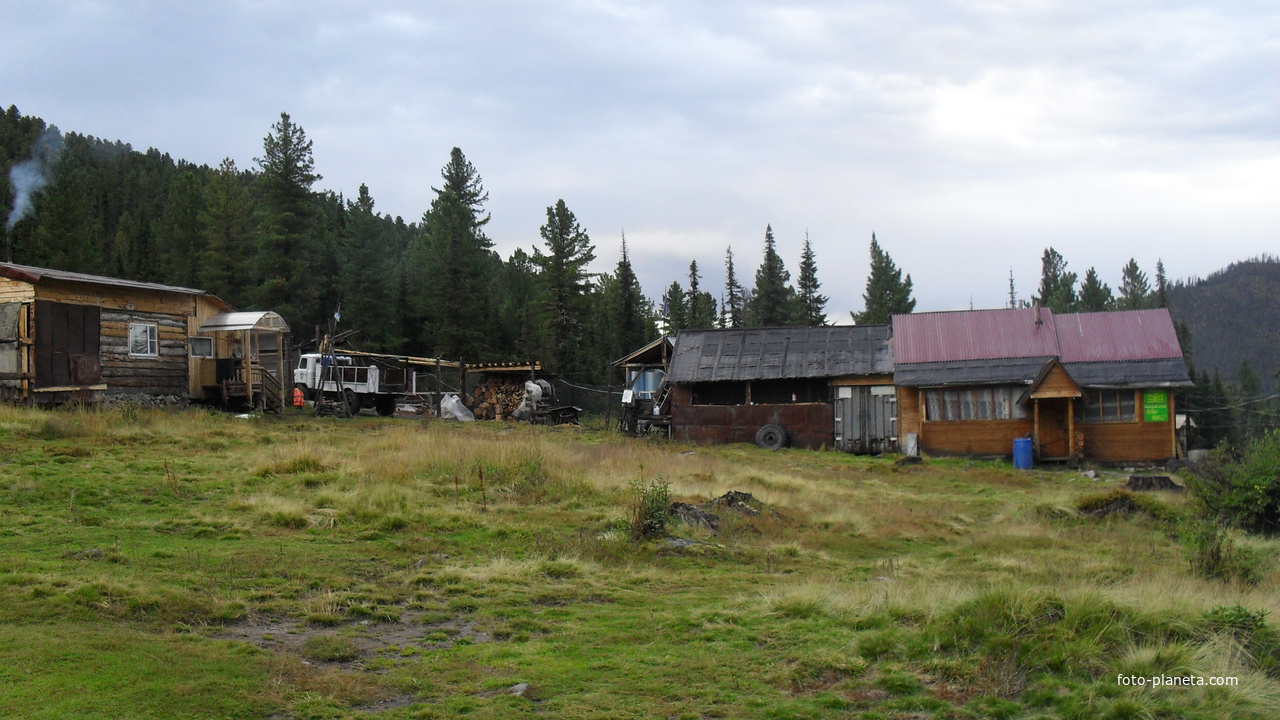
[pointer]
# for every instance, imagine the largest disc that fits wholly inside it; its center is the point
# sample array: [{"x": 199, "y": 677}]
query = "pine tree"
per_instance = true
[
  {"x": 283, "y": 260},
  {"x": 1135, "y": 292},
  {"x": 887, "y": 293},
  {"x": 1095, "y": 296},
  {"x": 1162, "y": 285},
  {"x": 733, "y": 301},
  {"x": 701, "y": 306},
  {"x": 225, "y": 224},
  {"x": 368, "y": 254},
  {"x": 812, "y": 304},
  {"x": 770, "y": 303},
  {"x": 1013, "y": 295},
  {"x": 1057, "y": 286},
  {"x": 630, "y": 325},
  {"x": 452, "y": 266},
  {"x": 677, "y": 308},
  {"x": 565, "y": 283}
]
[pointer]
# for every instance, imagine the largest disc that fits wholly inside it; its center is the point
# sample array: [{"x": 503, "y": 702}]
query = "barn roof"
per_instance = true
[
  {"x": 974, "y": 335},
  {"x": 1134, "y": 348},
  {"x": 34, "y": 275},
  {"x": 775, "y": 353},
  {"x": 655, "y": 353}
]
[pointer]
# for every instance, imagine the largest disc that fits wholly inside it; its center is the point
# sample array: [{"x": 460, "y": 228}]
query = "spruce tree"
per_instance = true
[
  {"x": 1162, "y": 286},
  {"x": 453, "y": 266},
  {"x": 1135, "y": 292},
  {"x": 1057, "y": 286},
  {"x": 732, "y": 306},
  {"x": 812, "y": 304},
  {"x": 225, "y": 223},
  {"x": 286, "y": 282},
  {"x": 1095, "y": 296},
  {"x": 630, "y": 325},
  {"x": 701, "y": 312},
  {"x": 1013, "y": 295},
  {"x": 565, "y": 284},
  {"x": 770, "y": 303},
  {"x": 887, "y": 293},
  {"x": 677, "y": 308}
]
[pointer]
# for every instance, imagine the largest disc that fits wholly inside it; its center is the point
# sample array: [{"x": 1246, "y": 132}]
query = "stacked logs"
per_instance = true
[{"x": 496, "y": 398}]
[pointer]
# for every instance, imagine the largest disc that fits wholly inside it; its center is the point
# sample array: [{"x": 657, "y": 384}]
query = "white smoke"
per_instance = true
[{"x": 29, "y": 176}]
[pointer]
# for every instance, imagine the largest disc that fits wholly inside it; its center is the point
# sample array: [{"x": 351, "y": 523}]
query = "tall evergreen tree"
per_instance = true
[
  {"x": 1095, "y": 296},
  {"x": 368, "y": 254},
  {"x": 226, "y": 226},
  {"x": 177, "y": 231},
  {"x": 452, "y": 265},
  {"x": 770, "y": 303},
  {"x": 1013, "y": 295},
  {"x": 1162, "y": 285},
  {"x": 677, "y": 308},
  {"x": 701, "y": 312},
  {"x": 1057, "y": 286},
  {"x": 1135, "y": 292},
  {"x": 887, "y": 293},
  {"x": 1252, "y": 409},
  {"x": 284, "y": 259},
  {"x": 627, "y": 309},
  {"x": 811, "y": 303},
  {"x": 565, "y": 282},
  {"x": 732, "y": 307}
]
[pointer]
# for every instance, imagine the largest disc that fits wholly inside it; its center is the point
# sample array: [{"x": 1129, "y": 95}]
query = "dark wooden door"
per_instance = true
[
  {"x": 1053, "y": 435},
  {"x": 67, "y": 348}
]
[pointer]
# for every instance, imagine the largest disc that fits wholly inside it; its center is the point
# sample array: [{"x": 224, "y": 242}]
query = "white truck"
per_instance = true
[{"x": 337, "y": 379}]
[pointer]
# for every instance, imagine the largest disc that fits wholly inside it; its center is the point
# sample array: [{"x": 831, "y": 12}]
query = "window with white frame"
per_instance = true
[
  {"x": 201, "y": 347},
  {"x": 143, "y": 340}
]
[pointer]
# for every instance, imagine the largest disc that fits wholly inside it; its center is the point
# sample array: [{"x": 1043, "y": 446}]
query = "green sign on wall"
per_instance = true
[{"x": 1155, "y": 406}]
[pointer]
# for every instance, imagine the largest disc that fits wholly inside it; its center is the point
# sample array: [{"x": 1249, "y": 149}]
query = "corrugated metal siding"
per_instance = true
[
  {"x": 776, "y": 353},
  {"x": 1117, "y": 336},
  {"x": 973, "y": 335}
]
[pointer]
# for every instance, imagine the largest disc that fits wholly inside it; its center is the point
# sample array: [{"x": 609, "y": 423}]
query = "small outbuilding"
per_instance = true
[
  {"x": 67, "y": 336},
  {"x": 1096, "y": 386},
  {"x": 809, "y": 387}
]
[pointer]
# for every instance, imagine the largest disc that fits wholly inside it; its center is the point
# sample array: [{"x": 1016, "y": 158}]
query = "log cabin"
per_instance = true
[
  {"x": 807, "y": 387},
  {"x": 67, "y": 336},
  {"x": 1094, "y": 386}
]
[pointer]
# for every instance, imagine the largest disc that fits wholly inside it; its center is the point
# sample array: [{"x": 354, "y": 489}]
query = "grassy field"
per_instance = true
[{"x": 199, "y": 565}]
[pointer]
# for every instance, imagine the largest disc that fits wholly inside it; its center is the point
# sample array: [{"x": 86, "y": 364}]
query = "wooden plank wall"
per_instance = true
[
  {"x": 1132, "y": 441},
  {"x": 16, "y": 291},
  {"x": 808, "y": 425}
]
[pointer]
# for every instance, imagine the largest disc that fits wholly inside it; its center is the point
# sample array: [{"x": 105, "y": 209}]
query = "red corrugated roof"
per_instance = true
[
  {"x": 1111, "y": 336},
  {"x": 1000, "y": 334},
  {"x": 973, "y": 335}
]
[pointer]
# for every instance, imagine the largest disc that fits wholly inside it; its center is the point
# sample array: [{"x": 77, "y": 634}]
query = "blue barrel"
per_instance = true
[{"x": 1022, "y": 453}]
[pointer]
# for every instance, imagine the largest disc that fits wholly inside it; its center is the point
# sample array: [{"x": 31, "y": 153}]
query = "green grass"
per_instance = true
[{"x": 192, "y": 564}]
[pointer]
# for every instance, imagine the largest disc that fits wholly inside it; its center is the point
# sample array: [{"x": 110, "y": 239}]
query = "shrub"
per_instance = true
[
  {"x": 1242, "y": 489},
  {"x": 1214, "y": 555},
  {"x": 649, "y": 504}
]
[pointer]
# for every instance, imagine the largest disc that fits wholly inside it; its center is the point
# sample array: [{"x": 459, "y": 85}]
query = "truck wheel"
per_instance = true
[
  {"x": 385, "y": 405},
  {"x": 352, "y": 400},
  {"x": 771, "y": 437}
]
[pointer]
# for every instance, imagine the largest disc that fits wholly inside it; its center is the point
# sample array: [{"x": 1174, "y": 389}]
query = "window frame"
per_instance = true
[
  {"x": 152, "y": 339},
  {"x": 978, "y": 403},
  {"x": 191, "y": 348},
  {"x": 1102, "y": 399}
]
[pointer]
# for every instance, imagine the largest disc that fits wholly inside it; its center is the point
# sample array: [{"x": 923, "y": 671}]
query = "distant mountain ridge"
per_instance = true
[{"x": 1233, "y": 314}]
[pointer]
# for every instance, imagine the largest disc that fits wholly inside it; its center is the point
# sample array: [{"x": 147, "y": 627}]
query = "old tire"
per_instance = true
[
  {"x": 771, "y": 437},
  {"x": 352, "y": 401}
]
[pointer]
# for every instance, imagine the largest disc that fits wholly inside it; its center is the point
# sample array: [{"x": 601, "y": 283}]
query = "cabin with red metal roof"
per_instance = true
[{"x": 1096, "y": 386}]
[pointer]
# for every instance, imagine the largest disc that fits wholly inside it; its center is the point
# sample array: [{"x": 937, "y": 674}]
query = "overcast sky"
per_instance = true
[{"x": 967, "y": 135}]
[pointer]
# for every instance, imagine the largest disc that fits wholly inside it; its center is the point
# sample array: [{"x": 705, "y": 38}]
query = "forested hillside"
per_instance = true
[
  {"x": 1234, "y": 316},
  {"x": 268, "y": 238}
]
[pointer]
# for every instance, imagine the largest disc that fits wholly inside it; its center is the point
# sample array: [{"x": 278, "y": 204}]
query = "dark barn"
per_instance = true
[{"x": 821, "y": 387}]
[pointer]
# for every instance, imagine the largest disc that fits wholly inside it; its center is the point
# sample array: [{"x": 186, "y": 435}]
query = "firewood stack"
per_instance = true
[{"x": 496, "y": 398}]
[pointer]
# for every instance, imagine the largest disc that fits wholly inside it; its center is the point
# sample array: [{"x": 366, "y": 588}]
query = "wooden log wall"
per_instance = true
[{"x": 123, "y": 373}]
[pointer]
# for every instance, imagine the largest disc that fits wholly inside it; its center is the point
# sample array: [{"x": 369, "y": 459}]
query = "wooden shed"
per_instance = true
[
  {"x": 68, "y": 336},
  {"x": 1096, "y": 386},
  {"x": 823, "y": 386}
]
